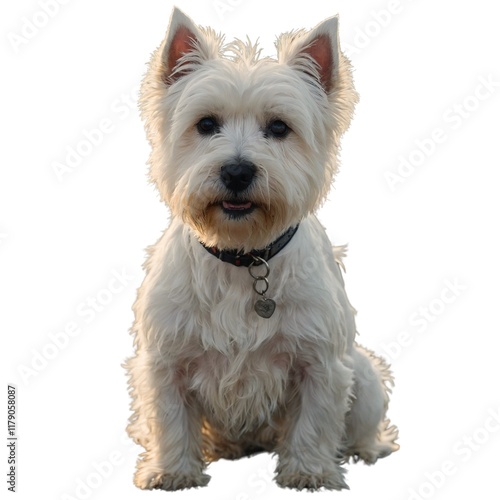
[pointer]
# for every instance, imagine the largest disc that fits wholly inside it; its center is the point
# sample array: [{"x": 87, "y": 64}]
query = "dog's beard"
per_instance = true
[{"x": 244, "y": 223}]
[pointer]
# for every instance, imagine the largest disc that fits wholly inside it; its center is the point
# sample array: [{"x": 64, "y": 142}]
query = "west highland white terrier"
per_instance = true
[{"x": 244, "y": 336}]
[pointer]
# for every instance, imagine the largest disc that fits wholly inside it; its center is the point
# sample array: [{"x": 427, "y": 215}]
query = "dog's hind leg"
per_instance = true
[{"x": 369, "y": 434}]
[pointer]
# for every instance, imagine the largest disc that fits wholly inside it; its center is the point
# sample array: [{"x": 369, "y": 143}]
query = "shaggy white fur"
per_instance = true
[{"x": 210, "y": 377}]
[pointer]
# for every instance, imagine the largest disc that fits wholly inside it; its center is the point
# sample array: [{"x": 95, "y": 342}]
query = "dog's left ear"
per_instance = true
[
  {"x": 185, "y": 47},
  {"x": 320, "y": 45}
]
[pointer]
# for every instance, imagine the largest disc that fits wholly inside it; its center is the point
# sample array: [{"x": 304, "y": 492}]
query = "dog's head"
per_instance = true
[{"x": 244, "y": 147}]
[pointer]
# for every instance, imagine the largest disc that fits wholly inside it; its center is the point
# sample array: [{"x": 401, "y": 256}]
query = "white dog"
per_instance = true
[{"x": 244, "y": 335}]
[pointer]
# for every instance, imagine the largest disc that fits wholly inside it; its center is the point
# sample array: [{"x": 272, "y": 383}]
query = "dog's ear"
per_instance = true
[
  {"x": 185, "y": 47},
  {"x": 319, "y": 46}
]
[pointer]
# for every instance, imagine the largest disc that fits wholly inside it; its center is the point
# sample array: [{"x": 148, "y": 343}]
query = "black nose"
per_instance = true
[{"x": 237, "y": 176}]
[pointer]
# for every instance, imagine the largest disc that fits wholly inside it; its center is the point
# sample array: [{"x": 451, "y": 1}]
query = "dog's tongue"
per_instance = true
[{"x": 236, "y": 206}]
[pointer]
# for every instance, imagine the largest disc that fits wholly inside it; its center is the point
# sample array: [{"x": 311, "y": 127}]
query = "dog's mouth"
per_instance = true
[{"x": 237, "y": 209}]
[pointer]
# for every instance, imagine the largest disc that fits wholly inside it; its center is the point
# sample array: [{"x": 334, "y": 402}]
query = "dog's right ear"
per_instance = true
[
  {"x": 318, "y": 48},
  {"x": 184, "y": 48}
]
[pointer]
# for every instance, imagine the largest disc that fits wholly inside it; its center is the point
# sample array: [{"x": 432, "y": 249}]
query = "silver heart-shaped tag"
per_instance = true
[{"x": 265, "y": 307}]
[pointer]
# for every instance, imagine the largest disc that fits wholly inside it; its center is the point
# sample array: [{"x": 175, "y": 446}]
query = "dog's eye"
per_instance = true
[
  {"x": 207, "y": 126},
  {"x": 278, "y": 129}
]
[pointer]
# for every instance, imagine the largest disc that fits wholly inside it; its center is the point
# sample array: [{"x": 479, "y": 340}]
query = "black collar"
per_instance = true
[{"x": 237, "y": 259}]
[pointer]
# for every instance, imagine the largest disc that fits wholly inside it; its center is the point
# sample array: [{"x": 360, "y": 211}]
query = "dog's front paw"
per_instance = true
[
  {"x": 151, "y": 479},
  {"x": 311, "y": 482},
  {"x": 292, "y": 475}
]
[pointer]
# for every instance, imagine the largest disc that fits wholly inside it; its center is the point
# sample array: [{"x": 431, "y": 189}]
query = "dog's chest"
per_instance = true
[{"x": 240, "y": 390}]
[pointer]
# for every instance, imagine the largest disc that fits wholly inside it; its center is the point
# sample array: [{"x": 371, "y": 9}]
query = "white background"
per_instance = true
[{"x": 430, "y": 244}]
